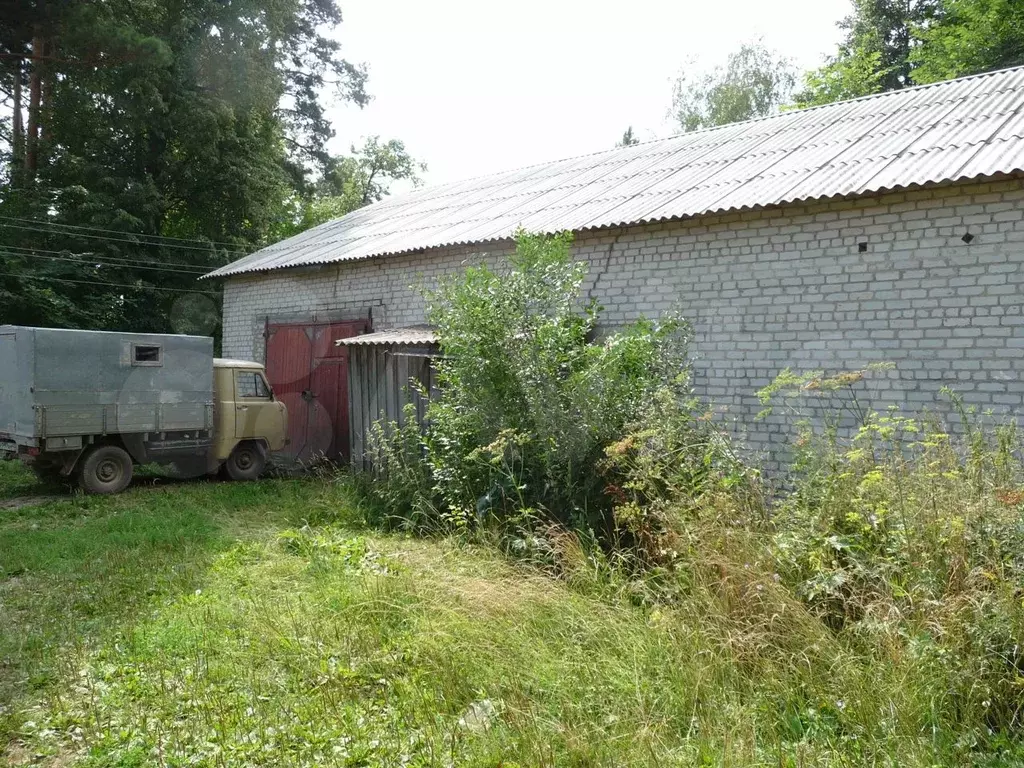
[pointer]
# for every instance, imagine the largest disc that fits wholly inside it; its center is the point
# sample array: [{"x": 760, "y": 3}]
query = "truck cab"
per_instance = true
[{"x": 248, "y": 421}]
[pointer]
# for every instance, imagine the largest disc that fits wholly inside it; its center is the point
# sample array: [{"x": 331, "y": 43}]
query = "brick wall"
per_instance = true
[{"x": 764, "y": 290}]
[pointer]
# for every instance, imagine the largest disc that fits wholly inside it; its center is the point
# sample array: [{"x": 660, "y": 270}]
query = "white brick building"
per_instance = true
[{"x": 884, "y": 229}]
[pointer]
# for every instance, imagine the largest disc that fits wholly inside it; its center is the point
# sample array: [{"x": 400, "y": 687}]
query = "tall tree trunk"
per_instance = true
[
  {"x": 35, "y": 91},
  {"x": 46, "y": 102},
  {"x": 17, "y": 129}
]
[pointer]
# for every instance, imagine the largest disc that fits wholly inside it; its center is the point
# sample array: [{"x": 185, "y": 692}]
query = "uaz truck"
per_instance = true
[{"x": 92, "y": 404}]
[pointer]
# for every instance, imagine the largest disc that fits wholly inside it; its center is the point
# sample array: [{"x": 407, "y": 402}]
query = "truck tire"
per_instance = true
[
  {"x": 246, "y": 462},
  {"x": 105, "y": 469}
]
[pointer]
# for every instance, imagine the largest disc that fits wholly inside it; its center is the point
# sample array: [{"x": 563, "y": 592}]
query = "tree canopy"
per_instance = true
[
  {"x": 969, "y": 37},
  {"x": 144, "y": 142},
  {"x": 350, "y": 182},
  {"x": 887, "y": 45},
  {"x": 754, "y": 83},
  {"x": 892, "y": 44},
  {"x": 628, "y": 138}
]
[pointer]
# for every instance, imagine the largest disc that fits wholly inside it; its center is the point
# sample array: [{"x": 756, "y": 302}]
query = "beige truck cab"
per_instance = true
[{"x": 248, "y": 422}]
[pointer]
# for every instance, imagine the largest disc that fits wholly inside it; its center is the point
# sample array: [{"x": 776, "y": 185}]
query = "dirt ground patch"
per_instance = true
[{"x": 27, "y": 501}]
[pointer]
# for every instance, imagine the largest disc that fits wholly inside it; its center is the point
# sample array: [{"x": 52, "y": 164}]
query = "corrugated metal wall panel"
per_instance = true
[{"x": 381, "y": 384}]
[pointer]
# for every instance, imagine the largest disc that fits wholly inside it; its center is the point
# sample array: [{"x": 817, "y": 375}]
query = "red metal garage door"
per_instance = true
[{"x": 309, "y": 375}]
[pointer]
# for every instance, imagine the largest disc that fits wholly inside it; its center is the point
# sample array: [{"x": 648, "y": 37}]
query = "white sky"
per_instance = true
[{"x": 473, "y": 86}]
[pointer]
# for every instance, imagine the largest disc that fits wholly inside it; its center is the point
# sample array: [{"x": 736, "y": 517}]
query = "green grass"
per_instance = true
[{"x": 261, "y": 624}]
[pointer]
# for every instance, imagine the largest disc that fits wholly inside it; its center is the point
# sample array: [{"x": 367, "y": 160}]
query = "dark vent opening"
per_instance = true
[{"x": 147, "y": 354}]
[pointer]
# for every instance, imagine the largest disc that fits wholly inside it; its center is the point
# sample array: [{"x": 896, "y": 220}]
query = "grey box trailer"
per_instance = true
[{"x": 57, "y": 386}]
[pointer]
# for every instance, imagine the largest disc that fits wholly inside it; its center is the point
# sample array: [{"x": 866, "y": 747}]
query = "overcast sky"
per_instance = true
[{"x": 473, "y": 86}]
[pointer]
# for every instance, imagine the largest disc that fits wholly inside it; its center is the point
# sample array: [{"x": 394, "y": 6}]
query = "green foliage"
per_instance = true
[
  {"x": 875, "y": 55},
  {"x": 839, "y": 393},
  {"x": 873, "y": 618},
  {"x": 204, "y": 624},
  {"x": 754, "y": 83},
  {"x": 399, "y": 482},
  {"x": 349, "y": 183},
  {"x": 628, "y": 138},
  {"x": 528, "y": 397},
  {"x": 846, "y": 76},
  {"x": 147, "y": 122},
  {"x": 906, "y": 539},
  {"x": 16, "y": 480},
  {"x": 671, "y": 469},
  {"x": 970, "y": 36},
  {"x": 891, "y": 44}
]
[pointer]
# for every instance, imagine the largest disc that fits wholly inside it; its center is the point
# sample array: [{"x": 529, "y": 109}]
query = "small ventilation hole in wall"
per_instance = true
[
  {"x": 862, "y": 247},
  {"x": 967, "y": 238}
]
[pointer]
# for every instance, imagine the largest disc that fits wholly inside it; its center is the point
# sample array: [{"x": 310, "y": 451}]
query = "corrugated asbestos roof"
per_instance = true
[
  {"x": 414, "y": 334},
  {"x": 960, "y": 129}
]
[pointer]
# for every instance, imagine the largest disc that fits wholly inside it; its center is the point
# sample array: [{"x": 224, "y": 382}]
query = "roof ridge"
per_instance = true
[
  {"x": 739, "y": 166},
  {"x": 713, "y": 128}
]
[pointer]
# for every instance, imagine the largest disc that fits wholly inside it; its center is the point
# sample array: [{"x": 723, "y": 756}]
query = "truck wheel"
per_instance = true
[
  {"x": 246, "y": 462},
  {"x": 105, "y": 469}
]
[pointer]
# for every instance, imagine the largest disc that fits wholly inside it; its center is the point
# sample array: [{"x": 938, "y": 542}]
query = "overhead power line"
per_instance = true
[
  {"x": 18, "y": 249},
  {"x": 208, "y": 248},
  {"x": 99, "y": 263},
  {"x": 107, "y": 285},
  {"x": 121, "y": 232}
]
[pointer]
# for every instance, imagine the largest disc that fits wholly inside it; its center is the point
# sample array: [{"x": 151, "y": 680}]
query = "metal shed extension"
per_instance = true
[{"x": 382, "y": 369}]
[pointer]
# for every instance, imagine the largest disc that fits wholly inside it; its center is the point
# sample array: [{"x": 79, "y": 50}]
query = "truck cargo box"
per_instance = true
[{"x": 57, "y": 384}]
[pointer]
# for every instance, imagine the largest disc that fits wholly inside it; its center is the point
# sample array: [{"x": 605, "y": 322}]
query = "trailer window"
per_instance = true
[
  {"x": 251, "y": 384},
  {"x": 147, "y": 354}
]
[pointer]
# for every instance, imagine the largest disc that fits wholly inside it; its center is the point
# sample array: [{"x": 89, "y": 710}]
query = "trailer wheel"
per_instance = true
[
  {"x": 246, "y": 462},
  {"x": 105, "y": 469}
]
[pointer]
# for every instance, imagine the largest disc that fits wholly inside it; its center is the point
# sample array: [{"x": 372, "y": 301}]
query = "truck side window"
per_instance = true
[
  {"x": 147, "y": 354},
  {"x": 262, "y": 387},
  {"x": 251, "y": 384}
]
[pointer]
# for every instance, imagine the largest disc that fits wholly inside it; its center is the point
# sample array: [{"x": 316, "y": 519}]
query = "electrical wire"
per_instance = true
[
  {"x": 120, "y": 232},
  {"x": 98, "y": 263},
  {"x": 108, "y": 239},
  {"x": 108, "y": 285},
  {"x": 92, "y": 258},
  {"x": 87, "y": 254}
]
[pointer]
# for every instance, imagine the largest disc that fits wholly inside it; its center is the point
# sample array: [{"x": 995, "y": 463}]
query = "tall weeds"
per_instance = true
[{"x": 877, "y": 599}]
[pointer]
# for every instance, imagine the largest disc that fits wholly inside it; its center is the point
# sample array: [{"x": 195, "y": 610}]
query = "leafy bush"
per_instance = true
[
  {"x": 671, "y": 469},
  {"x": 529, "y": 397}
]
